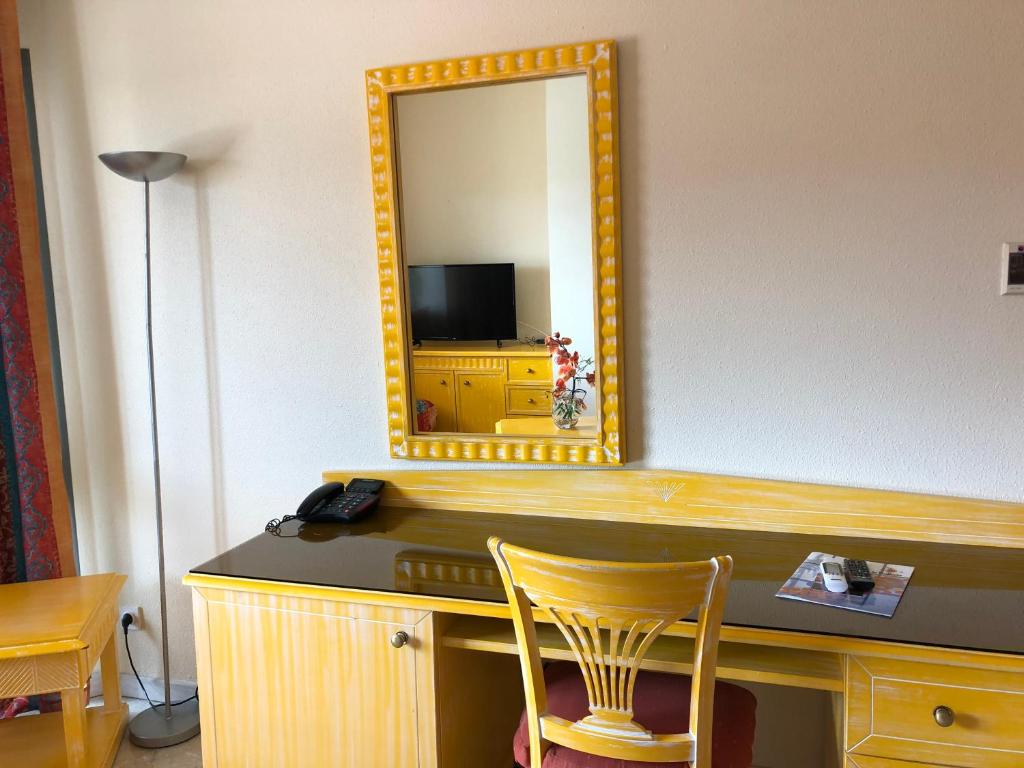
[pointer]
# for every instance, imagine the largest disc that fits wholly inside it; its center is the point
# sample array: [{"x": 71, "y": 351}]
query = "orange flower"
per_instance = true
[{"x": 570, "y": 368}]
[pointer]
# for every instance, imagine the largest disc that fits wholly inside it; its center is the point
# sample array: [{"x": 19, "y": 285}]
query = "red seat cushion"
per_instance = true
[{"x": 661, "y": 703}]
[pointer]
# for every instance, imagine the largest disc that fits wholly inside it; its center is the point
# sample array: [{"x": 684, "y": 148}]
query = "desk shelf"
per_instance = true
[
  {"x": 818, "y": 670},
  {"x": 38, "y": 740}
]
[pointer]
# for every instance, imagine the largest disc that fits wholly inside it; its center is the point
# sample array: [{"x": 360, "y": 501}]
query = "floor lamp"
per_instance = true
[{"x": 168, "y": 723}]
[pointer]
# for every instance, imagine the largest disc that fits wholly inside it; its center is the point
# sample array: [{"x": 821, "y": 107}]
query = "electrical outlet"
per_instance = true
[
  {"x": 136, "y": 613},
  {"x": 1011, "y": 277}
]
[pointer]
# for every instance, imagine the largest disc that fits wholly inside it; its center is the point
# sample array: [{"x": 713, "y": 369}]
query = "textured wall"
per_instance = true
[{"x": 814, "y": 196}]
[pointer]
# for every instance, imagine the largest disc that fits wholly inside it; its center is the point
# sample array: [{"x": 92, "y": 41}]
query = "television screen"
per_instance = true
[{"x": 463, "y": 302}]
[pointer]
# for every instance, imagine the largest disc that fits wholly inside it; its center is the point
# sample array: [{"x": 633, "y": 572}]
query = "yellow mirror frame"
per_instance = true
[{"x": 597, "y": 60}]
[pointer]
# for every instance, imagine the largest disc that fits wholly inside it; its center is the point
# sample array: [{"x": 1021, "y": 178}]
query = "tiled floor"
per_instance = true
[{"x": 187, "y": 755}]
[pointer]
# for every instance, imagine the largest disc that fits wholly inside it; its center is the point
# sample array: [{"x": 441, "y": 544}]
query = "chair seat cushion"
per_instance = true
[{"x": 661, "y": 703}]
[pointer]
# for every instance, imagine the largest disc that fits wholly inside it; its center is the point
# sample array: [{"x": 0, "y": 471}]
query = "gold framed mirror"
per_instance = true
[{"x": 496, "y": 205}]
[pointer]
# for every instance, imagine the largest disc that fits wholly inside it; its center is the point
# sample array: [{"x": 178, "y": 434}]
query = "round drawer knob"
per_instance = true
[
  {"x": 530, "y": 400},
  {"x": 399, "y": 639},
  {"x": 944, "y": 716},
  {"x": 529, "y": 370},
  {"x": 465, "y": 383},
  {"x": 444, "y": 383}
]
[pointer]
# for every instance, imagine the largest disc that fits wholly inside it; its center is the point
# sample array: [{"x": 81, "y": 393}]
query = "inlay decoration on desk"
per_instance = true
[{"x": 402, "y": 617}]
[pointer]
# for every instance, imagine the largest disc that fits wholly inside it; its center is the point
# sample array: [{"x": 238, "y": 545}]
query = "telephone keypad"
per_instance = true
[{"x": 347, "y": 503}]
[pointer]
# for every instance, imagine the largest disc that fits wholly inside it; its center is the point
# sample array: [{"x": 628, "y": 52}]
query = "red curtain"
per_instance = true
[{"x": 35, "y": 525}]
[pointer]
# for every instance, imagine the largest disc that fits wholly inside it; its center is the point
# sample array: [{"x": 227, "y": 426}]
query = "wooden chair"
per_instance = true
[{"x": 610, "y": 613}]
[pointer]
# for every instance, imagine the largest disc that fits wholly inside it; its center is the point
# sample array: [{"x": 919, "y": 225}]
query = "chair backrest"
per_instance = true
[{"x": 610, "y": 613}]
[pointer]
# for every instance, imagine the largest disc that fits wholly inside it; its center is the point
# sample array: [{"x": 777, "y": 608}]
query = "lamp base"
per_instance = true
[{"x": 151, "y": 730}]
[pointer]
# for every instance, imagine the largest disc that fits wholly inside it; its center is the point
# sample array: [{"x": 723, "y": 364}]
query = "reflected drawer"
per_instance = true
[
  {"x": 536, "y": 400},
  {"x": 421, "y": 362},
  {"x": 534, "y": 371},
  {"x": 945, "y": 715}
]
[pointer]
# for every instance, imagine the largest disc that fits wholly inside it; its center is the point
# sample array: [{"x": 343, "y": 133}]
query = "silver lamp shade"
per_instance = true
[{"x": 143, "y": 166}]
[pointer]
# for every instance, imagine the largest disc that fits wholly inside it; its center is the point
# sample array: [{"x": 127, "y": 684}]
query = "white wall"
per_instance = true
[
  {"x": 474, "y": 185},
  {"x": 814, "y": 195},
  {"x": 570, "y": 216}
]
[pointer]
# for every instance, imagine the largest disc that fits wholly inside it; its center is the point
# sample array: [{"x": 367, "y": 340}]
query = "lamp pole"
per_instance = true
[{"x": 155, "y": 431}]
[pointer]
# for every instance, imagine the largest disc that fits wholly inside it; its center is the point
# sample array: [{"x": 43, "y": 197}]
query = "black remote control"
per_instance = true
[{"x": 858, "y": 576}]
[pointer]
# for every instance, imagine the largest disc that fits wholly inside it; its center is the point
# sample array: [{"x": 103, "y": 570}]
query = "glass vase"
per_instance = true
[{"x": 566, "y": 409}]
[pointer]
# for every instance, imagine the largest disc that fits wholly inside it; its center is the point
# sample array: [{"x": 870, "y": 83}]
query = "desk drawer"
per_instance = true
[
  {"x": 529, "y": 400},
  {"x": 891, "y": 713},
  {"x": 530, "y": 371}
]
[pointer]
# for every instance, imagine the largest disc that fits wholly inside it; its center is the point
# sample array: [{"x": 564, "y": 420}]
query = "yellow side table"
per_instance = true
[{"x": 52, "y": 633}]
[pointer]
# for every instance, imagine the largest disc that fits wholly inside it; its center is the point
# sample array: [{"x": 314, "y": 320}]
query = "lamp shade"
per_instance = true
[{"x": 143, "y": 166}]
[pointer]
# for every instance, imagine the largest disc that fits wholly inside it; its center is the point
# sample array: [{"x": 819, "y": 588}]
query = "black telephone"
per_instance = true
[{"x": 332, "y": 503}]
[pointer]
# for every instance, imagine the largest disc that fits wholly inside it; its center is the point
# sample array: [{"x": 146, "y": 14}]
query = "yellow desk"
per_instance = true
[
  {"x": 52, "y": 633},
  {"x": 388, "y": 643}
]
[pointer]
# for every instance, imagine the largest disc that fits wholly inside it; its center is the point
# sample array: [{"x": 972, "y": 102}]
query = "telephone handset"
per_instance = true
[
  {"x": 332, "y": 503},
  {"x": 318, "y": 500}
]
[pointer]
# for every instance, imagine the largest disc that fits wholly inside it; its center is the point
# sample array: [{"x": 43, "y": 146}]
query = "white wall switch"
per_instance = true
[{"x": 1012, "y": 276}]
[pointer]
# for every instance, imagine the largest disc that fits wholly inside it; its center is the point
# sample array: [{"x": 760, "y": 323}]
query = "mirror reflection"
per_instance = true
[{"x": 498, "y": 243}]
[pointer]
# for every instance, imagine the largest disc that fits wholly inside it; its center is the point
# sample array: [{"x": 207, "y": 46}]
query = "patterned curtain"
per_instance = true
[
  {"x": 35, "y": 525},
  {"x": 36, "y": 539}
]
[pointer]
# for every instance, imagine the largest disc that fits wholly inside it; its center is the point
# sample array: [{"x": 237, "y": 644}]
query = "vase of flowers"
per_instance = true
[{"x": 569, "y": 395}]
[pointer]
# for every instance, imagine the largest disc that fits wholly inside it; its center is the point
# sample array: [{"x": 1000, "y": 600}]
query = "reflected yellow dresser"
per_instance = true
[{"x": 474, "y": 387}]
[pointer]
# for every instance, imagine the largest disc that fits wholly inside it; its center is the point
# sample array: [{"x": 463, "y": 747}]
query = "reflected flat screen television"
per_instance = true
[{"x": 463, "y": 302}]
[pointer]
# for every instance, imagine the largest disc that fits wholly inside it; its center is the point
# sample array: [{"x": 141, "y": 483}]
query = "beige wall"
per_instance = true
[
  {"x": 474, "y": 184},
  {"x": 814, "y": 196},
  {"x": 570, "y": 215}
]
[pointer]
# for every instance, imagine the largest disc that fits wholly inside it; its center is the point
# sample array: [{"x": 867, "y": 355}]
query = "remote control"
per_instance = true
[
  {"x": 858, "y": 576},
  {"x": 832, "y": 574}
]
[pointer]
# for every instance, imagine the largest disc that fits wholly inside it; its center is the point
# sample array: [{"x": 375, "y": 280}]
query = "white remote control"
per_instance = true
[{"x": 832, "y": 573}]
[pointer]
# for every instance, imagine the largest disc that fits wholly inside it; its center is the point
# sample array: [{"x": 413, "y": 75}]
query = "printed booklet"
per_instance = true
[{"x": 806, "y": 584}]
